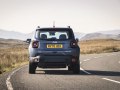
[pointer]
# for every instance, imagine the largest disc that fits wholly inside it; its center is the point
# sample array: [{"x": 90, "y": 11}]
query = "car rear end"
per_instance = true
[{"x": 54, "y": 48}]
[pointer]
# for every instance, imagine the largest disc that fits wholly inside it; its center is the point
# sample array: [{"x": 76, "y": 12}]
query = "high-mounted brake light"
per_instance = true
[
  {"x": 35, "y": 44},
  {"x": 73, "y": 44}
]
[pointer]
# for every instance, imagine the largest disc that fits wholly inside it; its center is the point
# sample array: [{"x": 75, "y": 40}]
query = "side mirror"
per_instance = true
[
  {"x": 77, "y": 40},
  {"x": 28, "y": 41}
]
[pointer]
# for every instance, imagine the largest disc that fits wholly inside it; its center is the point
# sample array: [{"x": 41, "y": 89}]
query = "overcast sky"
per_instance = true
[{"x": 82, "y": 15}]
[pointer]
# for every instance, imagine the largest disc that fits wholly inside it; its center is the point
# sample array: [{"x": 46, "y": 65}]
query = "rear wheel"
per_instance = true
[
  {"x": 70, "y": 68},
  {"x": 76, "y": 68},
  {"x": 32, "y": 67}
]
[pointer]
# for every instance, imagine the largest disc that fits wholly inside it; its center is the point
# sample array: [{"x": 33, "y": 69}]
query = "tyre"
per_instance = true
[
  {"x": 32, "y": 67},
  {"x": 69, "y": 68},
  {"x": 76, "y": 68}
]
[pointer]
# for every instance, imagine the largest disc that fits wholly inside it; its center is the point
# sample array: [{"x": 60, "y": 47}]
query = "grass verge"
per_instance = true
[
  {"x": 99, "y": 46},
  {"x": 12, "y": 57}
]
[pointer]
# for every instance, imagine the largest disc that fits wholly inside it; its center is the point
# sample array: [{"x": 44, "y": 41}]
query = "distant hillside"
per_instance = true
[
  {"x": 8, "y": 43},
  {"x": 91, "y": 36},
  {"x": 79, "y": 35},
  {"x": 21, "y": 36},
  {"x": 14, "y": 35},
  {"x": 111, "y": 34}
]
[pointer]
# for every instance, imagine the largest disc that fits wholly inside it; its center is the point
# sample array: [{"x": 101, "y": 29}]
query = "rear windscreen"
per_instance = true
[{"x": 50, "y": 35}]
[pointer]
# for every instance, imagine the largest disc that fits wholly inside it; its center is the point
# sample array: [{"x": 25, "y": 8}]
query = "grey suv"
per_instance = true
[{"x": 54, "y": 48}]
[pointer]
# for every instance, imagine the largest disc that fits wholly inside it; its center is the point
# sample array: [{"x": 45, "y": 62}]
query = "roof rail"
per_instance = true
[
  {"x": 38, "y": 27},
  {"x": 53, "y": 24},
  {"x": 68, "y": 26}
]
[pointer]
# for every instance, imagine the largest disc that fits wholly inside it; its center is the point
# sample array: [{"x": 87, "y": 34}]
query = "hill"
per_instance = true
[{"x": 113, "y": 34}]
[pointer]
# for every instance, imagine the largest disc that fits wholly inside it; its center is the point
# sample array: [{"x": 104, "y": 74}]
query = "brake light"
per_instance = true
[
  {"x": 73, "y": 44},
  {"x": 35, "y": 44}
]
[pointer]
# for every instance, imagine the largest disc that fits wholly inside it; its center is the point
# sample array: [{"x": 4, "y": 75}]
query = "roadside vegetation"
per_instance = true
[
  {"x": 13, "y": 56},
  {"x": 99, "y": 46}
]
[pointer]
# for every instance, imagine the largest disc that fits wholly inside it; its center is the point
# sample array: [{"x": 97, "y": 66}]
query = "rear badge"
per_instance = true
[{"x": 54, "y": 42}]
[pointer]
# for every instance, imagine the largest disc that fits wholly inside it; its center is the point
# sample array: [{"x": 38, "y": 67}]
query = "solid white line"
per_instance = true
[
  {"x": 84, "y": 71},
  {"x": 96, "y": 57},
  {"x": 8, "y": 83},
  {"x": 111, "y": 80},
  {"x": 86, "y": 60},
  {"x": 80, "y": 62}
]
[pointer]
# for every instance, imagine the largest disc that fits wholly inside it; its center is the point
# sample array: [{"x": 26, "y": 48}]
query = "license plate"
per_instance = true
[{"x": 54, "y": 46}]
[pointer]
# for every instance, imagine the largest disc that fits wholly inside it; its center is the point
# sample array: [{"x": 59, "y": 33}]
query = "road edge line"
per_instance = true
[
  {"x": 111, "y": 80},
  {"x": 86, "y": 60},
  {"x": 85, "y": 71},
  {"x": 8, "y": 83}
]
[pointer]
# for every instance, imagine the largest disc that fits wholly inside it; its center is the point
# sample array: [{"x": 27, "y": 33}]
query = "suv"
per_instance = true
[{"x": 54, "y": 48}]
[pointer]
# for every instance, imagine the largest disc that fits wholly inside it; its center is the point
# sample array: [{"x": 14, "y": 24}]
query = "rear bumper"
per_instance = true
[
  {"x": 53, "y": 61},
  {"x": 55, "y": 58},
  {"x": 51, "y": 58},
  {"x": 52, "y": 65}
]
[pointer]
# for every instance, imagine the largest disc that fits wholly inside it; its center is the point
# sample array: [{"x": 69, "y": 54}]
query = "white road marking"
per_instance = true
[
  {"x": 8, "y": 83},
  {"x": 111, "y": 80},
  {"x": 86, "y": 60},
  {"x": 102, "y": 78},
  {"x": 80, "y": 62},
  {"x": 85, "y": 71},
  {"x": 96, "y": 57}
]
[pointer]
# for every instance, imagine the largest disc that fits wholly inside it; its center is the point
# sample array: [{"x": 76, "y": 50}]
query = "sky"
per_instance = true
[{"x": 83, "y": 16}]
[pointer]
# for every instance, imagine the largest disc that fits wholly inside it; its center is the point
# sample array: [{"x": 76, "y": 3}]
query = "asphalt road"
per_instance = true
[{"x": 98, "y": 72}]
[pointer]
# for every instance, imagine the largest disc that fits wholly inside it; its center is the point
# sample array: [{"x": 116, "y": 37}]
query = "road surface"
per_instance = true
[{"x": 98, "y": 72}]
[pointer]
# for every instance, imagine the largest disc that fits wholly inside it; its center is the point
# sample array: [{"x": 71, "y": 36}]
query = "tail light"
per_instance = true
[
  {"x": 73, "y": 43},
  {"x": 35, "y": 44}
]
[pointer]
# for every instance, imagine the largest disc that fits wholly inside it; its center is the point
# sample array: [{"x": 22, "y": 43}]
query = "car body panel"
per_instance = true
[{"x": 54, "y": 57}]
